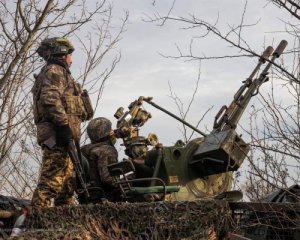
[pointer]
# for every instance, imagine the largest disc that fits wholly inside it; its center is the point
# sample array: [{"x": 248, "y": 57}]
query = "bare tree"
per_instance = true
[
  {"x": 273, "y": 130},
  {"x": 273, "y": 121},
  {"x": 185, "y": 109},
  {"x": 23, "y": 25},
  {"x": 275, "y": 157},
  {"x": 292, "y": 6}
]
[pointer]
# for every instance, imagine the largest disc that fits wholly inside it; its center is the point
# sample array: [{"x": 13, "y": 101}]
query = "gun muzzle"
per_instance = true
[
  {"x": 266, "y": 54},
  {"x": 280, "y": 48}
]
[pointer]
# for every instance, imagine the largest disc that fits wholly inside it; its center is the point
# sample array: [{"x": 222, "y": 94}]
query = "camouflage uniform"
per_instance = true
[
  {"x": 56, "y": 102},
  {"x": 136, "y": 149},
  {"x": 100, "y": 153}
]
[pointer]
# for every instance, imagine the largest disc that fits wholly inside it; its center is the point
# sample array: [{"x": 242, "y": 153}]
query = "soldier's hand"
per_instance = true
[{"x": 64, "y": 136}]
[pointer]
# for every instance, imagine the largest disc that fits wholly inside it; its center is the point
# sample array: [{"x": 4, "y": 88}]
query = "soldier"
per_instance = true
[
  {"x": 100, "y": 153},
  {"x": 59, "y": 108},
  {"x": 136, "y": 149}
]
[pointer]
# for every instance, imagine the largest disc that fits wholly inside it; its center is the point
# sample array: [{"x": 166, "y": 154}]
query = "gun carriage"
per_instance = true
[{"x": 202, "y": 167}]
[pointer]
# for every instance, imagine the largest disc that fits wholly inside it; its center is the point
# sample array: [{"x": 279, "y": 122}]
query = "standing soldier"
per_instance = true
[
  {"x": 100, "y": 153},
  {"x": 59, "y": 106}
]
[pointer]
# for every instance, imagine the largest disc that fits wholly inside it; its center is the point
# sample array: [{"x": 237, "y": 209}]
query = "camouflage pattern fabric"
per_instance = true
[
  {"x": 185, "y": 220},
  {"x": 10, "y": 209},
  {"x": 56, "y": 179},
  {"x": 98, "y": 128},
  {"x": 57, "y": 102},
  {"x": 100, "y": 155},
  {"x": 196, "y": 220}
]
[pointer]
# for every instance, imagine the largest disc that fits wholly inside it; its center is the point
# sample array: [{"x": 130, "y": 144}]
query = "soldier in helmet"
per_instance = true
[
  {"x": 100, "y": 153},
  {"x": 59, "y": 108}
]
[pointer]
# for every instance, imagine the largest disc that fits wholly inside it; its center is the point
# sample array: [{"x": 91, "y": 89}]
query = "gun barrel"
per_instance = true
[
  {"x": 250, "y": 88},
  {"x": 148, "y": 100},
  {"x": 266, "y": 54},
  {"x": 279, "y": 50}
]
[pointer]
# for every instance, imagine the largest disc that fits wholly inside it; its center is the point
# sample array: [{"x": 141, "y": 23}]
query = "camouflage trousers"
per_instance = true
[{"x": 56, "y": 179}]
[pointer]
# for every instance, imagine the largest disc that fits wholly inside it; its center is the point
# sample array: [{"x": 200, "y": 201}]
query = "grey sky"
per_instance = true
[{"x": 142, "y": 71}]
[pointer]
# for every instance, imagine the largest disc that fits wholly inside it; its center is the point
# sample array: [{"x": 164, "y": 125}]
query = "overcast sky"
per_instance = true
[{"x": 144, "y": 72}]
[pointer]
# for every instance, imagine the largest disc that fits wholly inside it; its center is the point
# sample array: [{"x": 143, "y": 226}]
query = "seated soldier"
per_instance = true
[
  {"x": 136, "y": 149},
  {"x": 100, "y": 153}
]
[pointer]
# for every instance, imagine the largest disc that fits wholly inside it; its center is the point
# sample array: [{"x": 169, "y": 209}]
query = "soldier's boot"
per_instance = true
[
  {"x": 65, "y": 197},
  {"x": 40, "y": 198},
  {"x": 67, "y": 200}
]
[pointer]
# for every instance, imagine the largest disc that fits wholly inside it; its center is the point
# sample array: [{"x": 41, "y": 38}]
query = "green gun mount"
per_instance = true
[
  {"x": 208, "y": 162},
  {"x": 220, "y": 152},
  {"x": 178, "y": 165},
  {"x": 170, "y": 163}
]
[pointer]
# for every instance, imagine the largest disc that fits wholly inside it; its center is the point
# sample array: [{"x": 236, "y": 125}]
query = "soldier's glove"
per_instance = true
[{"x": 64, "y": 136}]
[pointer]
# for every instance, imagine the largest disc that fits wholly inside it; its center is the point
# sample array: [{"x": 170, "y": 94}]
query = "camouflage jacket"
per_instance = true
[
  {"x": 56, "y": 101},
  {"x": 99, "y": 156}
]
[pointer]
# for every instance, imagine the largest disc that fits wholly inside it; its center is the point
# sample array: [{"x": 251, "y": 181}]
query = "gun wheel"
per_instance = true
[{"x": 204, "y": 188}]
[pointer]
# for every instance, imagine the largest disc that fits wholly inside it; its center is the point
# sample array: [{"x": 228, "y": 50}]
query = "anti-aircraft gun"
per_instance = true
[{"x": 203, "y": 167}]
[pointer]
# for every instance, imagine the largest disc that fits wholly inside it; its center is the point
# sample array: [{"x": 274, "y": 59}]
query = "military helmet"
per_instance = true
[
  {"x": 98, "y": 128},
  {"x": 54, "y": 47},
  {"x": 136, "y": 147}
]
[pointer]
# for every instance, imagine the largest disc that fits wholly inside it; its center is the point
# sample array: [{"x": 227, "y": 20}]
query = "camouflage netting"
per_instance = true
[
  {"x": 10, "y": 209},
  {"x": 259, "y": 221},
  {"x": 159, "y": 220}
]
